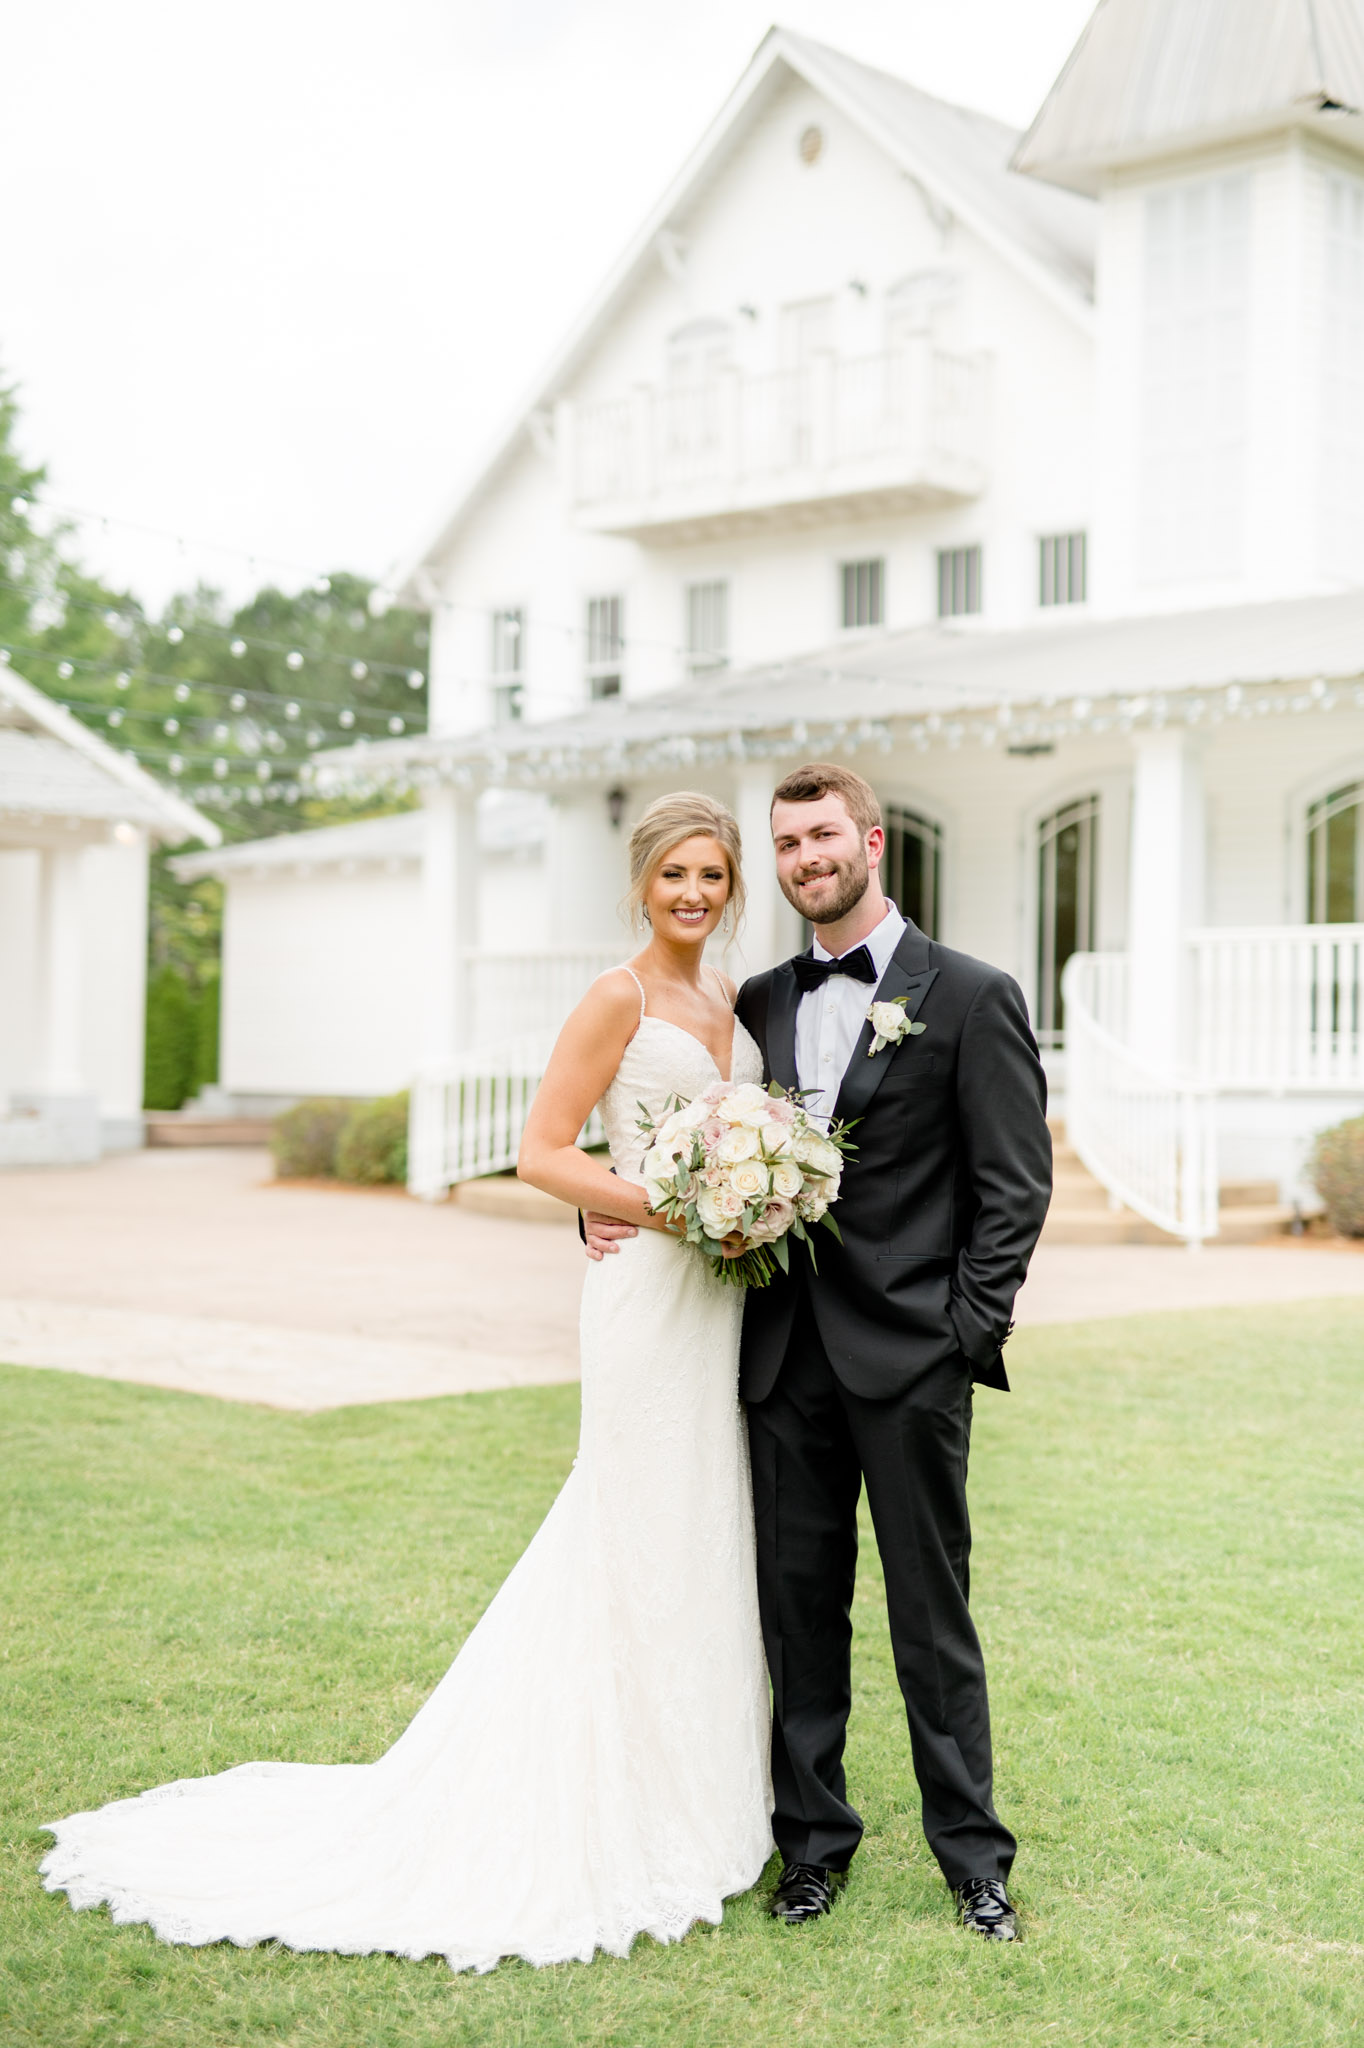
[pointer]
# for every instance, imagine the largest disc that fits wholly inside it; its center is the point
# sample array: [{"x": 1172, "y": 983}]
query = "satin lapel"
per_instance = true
[
  {"x": 781, "y": 1026},
  {"x": 909, "y": 975}
]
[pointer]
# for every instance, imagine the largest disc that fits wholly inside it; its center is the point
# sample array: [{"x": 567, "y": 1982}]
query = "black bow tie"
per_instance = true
[{"x": 812, "y": 973}]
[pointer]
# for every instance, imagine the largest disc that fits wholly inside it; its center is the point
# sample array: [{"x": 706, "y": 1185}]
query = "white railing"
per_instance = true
[
  {"x": 1150, "y": 1138},
  {"x": 467, "y": 1116},
  {"x": 515, "y": 995},
  {"x": 467, "y": 1113},
  {"x": 1279, "y": 1007},
  {"x": 910, "y": 407}
]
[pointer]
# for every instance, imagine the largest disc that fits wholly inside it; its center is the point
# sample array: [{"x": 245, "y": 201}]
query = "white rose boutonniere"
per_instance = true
[{"x": 890, "y": 1024}]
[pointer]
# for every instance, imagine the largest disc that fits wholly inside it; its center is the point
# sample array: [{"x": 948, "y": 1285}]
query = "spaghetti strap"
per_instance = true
[
  {"x": 724, "y": 992},
  {"x": 640, "y": 986}
]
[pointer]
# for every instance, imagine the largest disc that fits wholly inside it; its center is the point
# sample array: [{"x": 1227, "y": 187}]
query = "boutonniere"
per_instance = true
[{"x": 890, "y": 1024}]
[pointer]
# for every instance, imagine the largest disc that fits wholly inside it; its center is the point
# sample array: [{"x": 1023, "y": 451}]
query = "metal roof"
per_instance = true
[
  {"x": 1150, "y": 75},
  {"x": 52, "y": 766},
  {"x": 881, "y": 690}
]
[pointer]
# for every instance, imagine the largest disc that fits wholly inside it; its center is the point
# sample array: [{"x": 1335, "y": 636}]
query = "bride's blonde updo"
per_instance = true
[{"x": 683, "y": 814}]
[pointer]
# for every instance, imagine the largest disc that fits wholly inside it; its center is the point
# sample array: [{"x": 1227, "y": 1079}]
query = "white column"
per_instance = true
[
  {"x": 760, "y": 942},
  {"x": 1165, "y": 889},
  {"x": 449, "y": 918},
  {"x": 60, "y": 975}
]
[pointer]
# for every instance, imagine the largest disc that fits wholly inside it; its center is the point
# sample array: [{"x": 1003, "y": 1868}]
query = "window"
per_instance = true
[
  {"x": 508, "y": 653},
  {"x": 1341, "y": 402},
  {"x": 1067, "y": 865},
  {"x": 1335, "y": 857},
  {"x": 605, "y": 646},
  {"x": 911, "y": 865},
  {"x": 864, "y": 585},
  {"x": 1061, "y": 568},
  {"x": 1194, "y": 361},
  {"x": 958, "y": 581},
  {"x": 707, "y": 607}
]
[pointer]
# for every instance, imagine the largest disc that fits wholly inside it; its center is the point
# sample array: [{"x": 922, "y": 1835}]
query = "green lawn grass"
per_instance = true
[{"x": 1168, "y": 1576}]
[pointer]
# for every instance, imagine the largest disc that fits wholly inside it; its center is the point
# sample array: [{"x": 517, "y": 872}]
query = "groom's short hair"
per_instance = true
[{"x": 825, "y": 778}]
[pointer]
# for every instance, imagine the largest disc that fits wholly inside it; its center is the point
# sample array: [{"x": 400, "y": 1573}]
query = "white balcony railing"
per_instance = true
[
  {"x": 910, "y": 421},
  {"x": 1151, "y": 1140},
  {"x": 1279, "y": 1007}
]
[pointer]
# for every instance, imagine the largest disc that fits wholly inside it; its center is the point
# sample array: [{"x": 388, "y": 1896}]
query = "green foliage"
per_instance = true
[
  {"x": 372, "y": 1147},
  {"x": 1336, "y": 1171},
  {"x": 233, "y": 731},
  {"x": 1169, "y": 1547},
  {"x": 303, "y": 1139},
  {"x": 206, "y": 1037},
  {"x": 172, "y": 1046}
]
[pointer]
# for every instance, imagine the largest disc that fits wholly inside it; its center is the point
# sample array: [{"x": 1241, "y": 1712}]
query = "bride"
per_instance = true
[{"x": 594, "y": 1764}]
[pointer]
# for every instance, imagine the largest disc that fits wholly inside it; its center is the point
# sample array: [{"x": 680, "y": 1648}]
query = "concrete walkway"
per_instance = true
[{"x": 190, "y": 1269}]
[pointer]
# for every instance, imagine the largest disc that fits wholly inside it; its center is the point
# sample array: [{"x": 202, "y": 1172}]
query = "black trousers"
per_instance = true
[{"x": 813, "y": 1442}]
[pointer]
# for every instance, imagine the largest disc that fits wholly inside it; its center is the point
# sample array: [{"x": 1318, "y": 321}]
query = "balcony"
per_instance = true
[{"x": 835, "y": 438}]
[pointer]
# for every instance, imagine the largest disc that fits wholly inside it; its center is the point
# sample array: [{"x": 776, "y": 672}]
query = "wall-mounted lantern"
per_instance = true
[{"x": 615, "y": 806}]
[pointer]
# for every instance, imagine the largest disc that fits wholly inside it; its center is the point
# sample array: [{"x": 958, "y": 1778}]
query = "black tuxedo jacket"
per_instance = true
[{"x": 942, "y": 1202}]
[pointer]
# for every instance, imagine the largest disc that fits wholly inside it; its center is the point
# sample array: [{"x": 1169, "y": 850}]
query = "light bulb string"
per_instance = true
[
  {"x": 314, "y": 576},
  {"x": 136, "y": 672},
  {"x": 226, "y": 636}
]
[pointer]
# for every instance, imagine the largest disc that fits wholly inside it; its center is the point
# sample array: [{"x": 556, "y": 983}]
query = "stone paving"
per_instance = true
[{"x": 191, "y": 1269}]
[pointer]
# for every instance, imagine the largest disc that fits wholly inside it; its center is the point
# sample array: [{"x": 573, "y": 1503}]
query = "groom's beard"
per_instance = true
[{"x": 852, "y": 880}]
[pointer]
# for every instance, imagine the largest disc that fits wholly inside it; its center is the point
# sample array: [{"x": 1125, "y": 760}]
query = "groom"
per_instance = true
[{"x": 861, "y": 1372}]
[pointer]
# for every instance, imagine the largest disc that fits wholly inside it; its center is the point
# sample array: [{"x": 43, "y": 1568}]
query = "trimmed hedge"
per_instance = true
[
  {"x": 1335, "y": 1167},
  {"x": 372, "y": 1148},
  {"x": 172, "y": 1041},
  {"x": 333, "y": 1137},
  {"x": 303, "y": 1139}
]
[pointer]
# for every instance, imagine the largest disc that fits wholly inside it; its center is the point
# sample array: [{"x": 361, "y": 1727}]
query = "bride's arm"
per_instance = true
[{"x": 585, "y": 1057}]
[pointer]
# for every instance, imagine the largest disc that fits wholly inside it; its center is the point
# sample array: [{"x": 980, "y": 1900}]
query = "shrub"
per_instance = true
[
  {"x": 206, "y": 1033},
  {"x": 303, "y": 1139},
  {"x": 171, "y": 1043},
  {"x": 1335, "y": 1167},
  {"x": 372, "y": 1148}
]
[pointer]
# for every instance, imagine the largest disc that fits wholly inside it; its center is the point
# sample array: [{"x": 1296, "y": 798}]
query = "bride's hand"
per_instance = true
[{"x": 603, "y": 1234}]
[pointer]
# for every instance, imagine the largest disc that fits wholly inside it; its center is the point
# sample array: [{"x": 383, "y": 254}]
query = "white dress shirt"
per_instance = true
[{"x": 829, "y": 1019}]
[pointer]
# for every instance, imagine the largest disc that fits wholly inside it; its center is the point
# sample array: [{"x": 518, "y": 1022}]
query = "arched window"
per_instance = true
[
  {"x": 1335, "y": 857},
  {"x": 911, "y": 867},
  {"x": 1067, "y": 866}
]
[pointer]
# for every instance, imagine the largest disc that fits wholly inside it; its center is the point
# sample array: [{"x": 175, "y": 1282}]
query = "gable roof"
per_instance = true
[
  {"x": 959, "y": 158},
  {"x": 53, "y": 766},
  {"x": 1149, "y": 75}
]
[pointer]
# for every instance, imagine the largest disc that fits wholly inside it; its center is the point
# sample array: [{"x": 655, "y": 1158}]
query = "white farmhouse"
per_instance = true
[
  {"x": 76, "y": 822},
  {"x": 1022, "y": 472}
]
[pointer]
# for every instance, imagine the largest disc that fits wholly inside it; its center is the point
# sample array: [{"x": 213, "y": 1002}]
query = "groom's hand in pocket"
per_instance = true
[{"x": 602, "y": 1234}]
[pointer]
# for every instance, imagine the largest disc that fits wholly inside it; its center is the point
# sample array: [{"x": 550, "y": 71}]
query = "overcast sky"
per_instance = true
[{"x": 274, "y": 274}]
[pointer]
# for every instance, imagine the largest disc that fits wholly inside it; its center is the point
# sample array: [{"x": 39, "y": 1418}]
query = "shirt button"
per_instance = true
[{"x": 828, "y": 1059}]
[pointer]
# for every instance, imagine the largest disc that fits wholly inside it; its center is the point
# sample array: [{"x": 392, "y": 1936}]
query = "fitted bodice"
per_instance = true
[{"x": 660, "y": 1062}]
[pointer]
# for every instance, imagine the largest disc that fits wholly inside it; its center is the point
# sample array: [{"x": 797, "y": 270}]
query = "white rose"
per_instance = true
[
  {"x": 824, "y": 1157},
  {"x": 657, "y": 1192},
  {"x": 749, "y": 1179},
  {"x": 887, "y": 1019},
  {"x": 737, "y": 1144},
  {"x": 812, "y": 1205},
  {"x": 776, "y": 1140},
  {"x": 787, "y": 1179},
  {"x": 749, "y": 1105},
  {"x": 709, "y": 1214},
  {"x": 658, "y": 1164}
]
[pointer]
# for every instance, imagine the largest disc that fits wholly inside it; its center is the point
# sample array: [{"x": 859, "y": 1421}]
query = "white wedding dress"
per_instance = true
[{"x": 594, "y": 1764}]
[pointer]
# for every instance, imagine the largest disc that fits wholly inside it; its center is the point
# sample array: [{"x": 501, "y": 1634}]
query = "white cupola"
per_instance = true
[{"x": 1224, "y": 141}]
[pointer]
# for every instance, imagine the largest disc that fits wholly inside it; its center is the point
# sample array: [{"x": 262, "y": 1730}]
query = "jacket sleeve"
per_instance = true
[{"x": 1006, "y": 1147}]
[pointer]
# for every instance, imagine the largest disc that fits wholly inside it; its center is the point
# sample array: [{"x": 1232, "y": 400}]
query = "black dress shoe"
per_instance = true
[
  {"x": 804, "y": 1891},
  {"x": 984, "y": 1909}
]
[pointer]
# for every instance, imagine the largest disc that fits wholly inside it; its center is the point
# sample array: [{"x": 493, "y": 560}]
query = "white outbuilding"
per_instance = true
[{"x": 77, "y": 820}]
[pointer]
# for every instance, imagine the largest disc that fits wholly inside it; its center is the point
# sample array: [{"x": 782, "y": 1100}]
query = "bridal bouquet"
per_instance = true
[{"x": 745, "y": 1161}]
